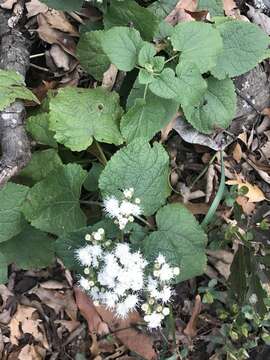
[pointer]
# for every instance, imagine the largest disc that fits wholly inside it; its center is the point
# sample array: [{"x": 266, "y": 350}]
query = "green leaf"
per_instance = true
[
  {"x": 188, "y": 87},
  {"x": 146, "y": 54},
  {"x": 64, "y": 5},
  {"x": 198, "y": 42},
  {"x": 244, "y": 45},
  {"x": 180, "y": 239},
  {"x": 66, "y": 245},
  {"x": 192, "y": 84},
  {"x": 162, "y": 8},
  {"x": 146, "y": 117},
  {"x": 145, "y": 77},
  {"x": 122, "y": 46},
  {"x": 142, "y": 167},
  {"x": 215, "y": 7},
  {"x": 38, "y": 126},
  {"x": 3, "y": 269},
  {"x": 52, "y": 204},
  {"x": 12, "y": 87},
  {"x": 217, "y": 107},
  {"x": 91, "y": 54},
  {"x": 91, "y": 182},
  {"x": 129, "y": 13},
  {"x": 12, "y": 220},
  {"x": 41, "y": 164},
  {"x": 31, "y": 249},
  {"x": 79, "y": 115}
]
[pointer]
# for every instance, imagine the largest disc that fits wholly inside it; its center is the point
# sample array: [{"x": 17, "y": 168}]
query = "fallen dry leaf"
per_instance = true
[
  {"x": 35, "y": 7},
  {"x": 58, "y": 20},
  {"x": 26, "y": 320},
  {"x": 210, "y": 177},
  {"x": 191, "y": 328},
  {"x": 60, "y": 58},
  {"x": 179, "y": 14},
  {"x": 61, "y": 300},
  {"x": 248, "y": 207},
  {"x": 8, "y": 4},
  {"x": 168, "y": 128},
  {"x": 32, "y": 352},
  {"x": 54, "y": 36},
  {"x": 89, "y": 312},
  {"x": 109, "y": 77},
  {"x": 133, "y": 339},
  {"x": 259, "y": 18},
  {"x": 237, "y": 153},
  {"x": 70, "y": 325},
  {"x": 254, "y": 193}
]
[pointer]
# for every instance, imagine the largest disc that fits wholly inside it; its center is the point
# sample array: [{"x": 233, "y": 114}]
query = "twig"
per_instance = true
[{"x": 14, "y": 55}]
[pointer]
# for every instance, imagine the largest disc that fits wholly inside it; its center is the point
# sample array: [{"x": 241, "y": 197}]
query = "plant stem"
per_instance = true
[
  {"x": 203, "y": 171},
  {"x": 145, "y": 91},
  {"x": 103, "y": 159},
  {"x": 171, "y": 58},
  {"x": 144, "y": 221},
  {"x": 90, "y": 202}
]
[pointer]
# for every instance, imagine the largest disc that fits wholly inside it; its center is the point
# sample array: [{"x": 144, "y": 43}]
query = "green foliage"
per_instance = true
[
  {"x": 122, "y": 45},
  {"x": 215, "y": 7},
  {"x": 91, "y": 54},
  {"x": 244, "y": 45},
  {"x": 129, "y": 13},
  {"x": 52, "y": 204},
  {"x": 79, "y": 115},
  {"x": 199, "y": 43},
  {"x": 91, "y": 182},
  {"x": 31, "y": 249},
  {"x": 180, "y": 238},
  {"x": 12, "y": 221},
  {"x": 12, "y": 87},
  {"x": 142, "y": 167},
  {"x": 216, "y": 109},
  {"x": 64, "y": 5},
  {"x": 38, "y": 126}
]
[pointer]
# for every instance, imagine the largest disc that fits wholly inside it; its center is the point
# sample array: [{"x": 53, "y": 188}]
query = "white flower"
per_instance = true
[
  {"x": 96, "y": 252},
  {"x": 154, "y": 320},
  {"x": 122, "y": 251},
  {"x": 122, "y": 221},
  {"x": 129, "y": 304},
  {"x": 160, "y": 259},
  {"x": 101, "y": 231},
  {"x": 166, "y": 273},
  {"x": 128, "y": 193},
  {"x": 131, "y": 301},
  {"x": 84, "y": 283},
  {"x": 176, "y": 271},
  {"x": 166, "y": 311},
  {"x": 253, "y": 299},
  {"x": 84, "y": 255},
  {"x": 111, "y": 206},
  {"x": 110, "y": 299},
  {"x": 88, "y": 237},
  {"x": 165, "y": 294},
  {"x": 97, "y": 236}
]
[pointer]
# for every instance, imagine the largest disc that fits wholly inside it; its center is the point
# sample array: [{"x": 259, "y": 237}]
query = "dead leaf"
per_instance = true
[
  {"x": 62, "y": 300},
  {"x": 133, "y": 339},
  {"x": 168, "y": 128},
  {"x": 32, "y": 352},
  {"x": 70, "y": 325},
  {"x": 259, "y": 18},
  {"x": 54, "y": 36},
  {"x": 192, "y": 136},
  {"x": 254, "y": 193},
  {"x": 248, "y": 207},
  {"x": 179, "y": 14},
  {"x": 223, "y": 255},
  {"x": 237, "y": 153},
  {"x": 266, "y": 111},
  {"x": 57, "y": 20},
  {"x": 197, "y": 208},
  {"x": 26, "y": 320},
  {"x": 191, "y": 328},
  {"x": 109, "y": 77},
  {"x": 89, "y": 312},
  {"x": 42, "y": 90},
  {"x": 210, "y": 177},
  {"x": 35, "y": 7},
  {"x": 8, "y": 4},
  {"x": 60, "y": 58}
]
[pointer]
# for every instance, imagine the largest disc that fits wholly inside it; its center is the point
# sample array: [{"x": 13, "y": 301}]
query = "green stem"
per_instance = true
[
  {"x": 145, "y": 91},
  {"x": 203, "y": 171},
  {"x": 144, "y": 221},
  {"x": 103, "y": 159},
  {"x": 171, "y": 58},
  {"x": 90, "y": 202}
]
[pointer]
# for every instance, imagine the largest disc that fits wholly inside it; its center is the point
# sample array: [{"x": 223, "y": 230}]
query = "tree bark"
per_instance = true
[{"x": 14, "y": 55}]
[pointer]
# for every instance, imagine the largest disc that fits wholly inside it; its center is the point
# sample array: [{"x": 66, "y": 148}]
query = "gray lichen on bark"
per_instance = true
[{"x": 14, "y": 55}]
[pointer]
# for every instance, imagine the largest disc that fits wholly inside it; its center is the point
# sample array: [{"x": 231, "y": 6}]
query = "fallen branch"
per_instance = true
[{"x": 14, "y": 55}]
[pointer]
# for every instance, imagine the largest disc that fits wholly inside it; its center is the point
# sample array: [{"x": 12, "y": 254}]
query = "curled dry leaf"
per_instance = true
[
  {"x": 8, "y": 4},
  {"x": 248, "y": 207},
  {"x": 237, "y": 153},
  {"x": 57, "y": 20},
  {"x": 179, "y": 14},
  {"x": 60, "y": 58},
  {"x": 102, "y": 321},
  {"x": 254, "y": 193},
  {"x": 61, "y": 300},
  {"x": 191, "y": 328},
  {"x": 35, "y": 7},
  {"x": 54, "y": 36},
  {"x": 32, "y": 352},
  {"x": 109, "y": 77}
]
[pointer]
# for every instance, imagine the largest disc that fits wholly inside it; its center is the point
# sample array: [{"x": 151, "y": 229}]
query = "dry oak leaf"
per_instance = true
[
  {"x": 237, "y": 153},
  {"x": 8, "y": 4},
  {"x": 178, "y": 14},
  {"x": 57, "y": 20},
  {"x": 248, "y": 207},
  {"x": 35, "y": 7},
  {"x": 26, "y": 320},
  {"x": 191, "y": 328},
  {"x": 102, "y": 321},
  {"x": 254, "y": 193},
  {"x": 32, "y": 352},
  {"x": 58, "y": 300}
]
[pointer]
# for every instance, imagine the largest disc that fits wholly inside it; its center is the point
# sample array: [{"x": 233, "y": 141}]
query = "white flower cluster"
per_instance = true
[
  {"x": 125, "y": 210},
  {"x": 159, "y": 292},
  {"x": 116, "y": 277}
]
